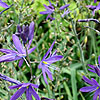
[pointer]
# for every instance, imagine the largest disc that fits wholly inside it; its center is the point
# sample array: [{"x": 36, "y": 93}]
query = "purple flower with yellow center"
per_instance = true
[
  {"x": 49, "y": 10},
  {"x": 4, "y": 5},
  {"x": 94, "y": 87},
  {"x": 95, "y": 69},
  {"x": 6, "y": 78},
  {"x": 93, "y": 8},
  {"x": 65, "y": 12},
  {"x": 88, "y": 20},
  {"x": 45, "y": 63},
  {"x": 25, "y": 87},
  {"x": 19, "y": 53}
]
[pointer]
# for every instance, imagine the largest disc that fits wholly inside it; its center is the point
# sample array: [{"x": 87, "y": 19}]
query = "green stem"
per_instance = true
[{"x": 79, "y": 46}]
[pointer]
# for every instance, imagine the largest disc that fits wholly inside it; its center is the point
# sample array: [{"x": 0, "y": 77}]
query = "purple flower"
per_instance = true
[
  {"x": 9, "y": 79},
  {"x": 95, "y": 1},
  {"x": 87, "y": 20},
  {"x": 28, "y": 87},
  {"x": 93, "y": 8},
  {"x": 63, "y": 7},
  {"x": 65, "y": 13},
  {"x": 94, "y": 87},
  {"x": 45, "y": 63},
  {"x": 4, "y": 5},
  {"x": 95, "y": 69},
  {"x": 19, "y": 53},
  {"x": 49, "y": 10},
  {"x": 26, "y": 32}
]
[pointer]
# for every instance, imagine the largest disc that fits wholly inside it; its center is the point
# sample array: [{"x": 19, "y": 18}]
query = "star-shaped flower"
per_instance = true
[
  {"x": 94, "y": 87},
  {"x": 28, "y": 87},
  {"x": 49, "y": 10},
  {"x": 93, "y": 8},
  {"x": 19, "y": 53},
  {"x": 45, "y": 63},
  {"x": 95, "y": 69}
]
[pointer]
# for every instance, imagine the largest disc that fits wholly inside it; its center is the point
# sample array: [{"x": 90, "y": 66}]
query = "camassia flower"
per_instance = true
[
  {"x": 4, "y": 5},
  {"x": 19, "y": 53},
  {"x": 45, "y": 63},
  {"x": 25, "y": 32},
  {"x": 94, "y": 87},
  {"x": 65, "y": 12},
  {"x": 93, "y": 8},
  {"x": 95, "y": 69},
  {"x": 6, "y": 78},
  {"x": 49, "y": 10},
  {"x": 28, "y": 87}
]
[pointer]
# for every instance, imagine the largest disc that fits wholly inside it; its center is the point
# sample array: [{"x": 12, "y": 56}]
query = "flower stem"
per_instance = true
[{"x": 79, "y": 46}]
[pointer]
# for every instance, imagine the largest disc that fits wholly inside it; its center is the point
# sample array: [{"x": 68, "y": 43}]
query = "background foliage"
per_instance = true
[{"x": 68, "y": 80}]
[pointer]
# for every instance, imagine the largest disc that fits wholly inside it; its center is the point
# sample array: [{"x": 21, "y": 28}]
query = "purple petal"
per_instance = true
[
  {"x": 99, "y": 60},
  {"x": 91, "y": 7},
  {"x": 97, "y": 70},
  {"x": 31, "y": 31},
  {"x": 28, "y": 95},
  {"x": 7, "y": 57},
  {"x": 49, "y": 73},
  {"x": 47, "y": 7},
  {"x": 18, "y": 93},
  {"x": 34, "y": 85},
  {"x": 95, "y": 82},
  {"x": 88, "y": 88},
  {"x": 29, "y": 44},
  {"x": 91, "y": 70},
  {"x": 63, "y": 7},
  {"x": 49, "y": 16},
  {"x": 18, "y": 44},
  {"x": 15, "y": 86},
  {"x": 88, "y": 80},
  {"x": 97, "y": 92},
  {"x": 3, "y": 4},
  {"x": 31, "y": 50},
  {"x": 50, "y": 2},
  {"x": 91, "y": 66},
  {"x": 48, "y": 51},
  {"x": 20, "y": 62},
  {"x": 65, "y": 13},
  {"x": 46, "y": 12},
  {"x": 44, "y": 75},
  {"x": 9, "y": 79},
  {"x": 95, "y": 1},
  {"x": 53, "y": 59},
  {"x": 32, "y": 91},
  {"x": 7, "y": 51}
]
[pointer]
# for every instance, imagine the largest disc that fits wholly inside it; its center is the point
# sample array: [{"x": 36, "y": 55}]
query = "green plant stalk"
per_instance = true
[{"x": 79, "y": 46}]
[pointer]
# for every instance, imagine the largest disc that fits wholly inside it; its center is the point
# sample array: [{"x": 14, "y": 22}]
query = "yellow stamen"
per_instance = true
[{"x": 45, "y": 62}]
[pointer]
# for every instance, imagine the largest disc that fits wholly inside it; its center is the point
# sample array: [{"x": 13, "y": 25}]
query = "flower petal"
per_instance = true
[
  {"x": 18, "y": 93},
  {"x": 15, "y": 86},
  {"x": 88, "y": 88},
  {"x": 91, "y": 70},
  {"x": 7, "y": 51},
  {"x": 3, "y": 4},
  {"x": 88, "y": 80},
  {"x": 95, "y": 82},
  {"x": 48, "y": 51},
  {"x": 31, "y": 50},
  {"x": 46, "y": 12},
  {"x": 31, "y": 31},
  {"x": 34, "y": 85},
  {"x": 7, "y": 57},
  {"x": 21, "y": 62},
  {"x": 97, "y": 92},
  {"x": 28, "y": 95},
  {"x": 53, "y": 59},
  {"x": 91, "y": 66},
  {"x": 32, "y": 91},
  {"x": 18, "y": 44},
  {"x": 63, "y": 7}
]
